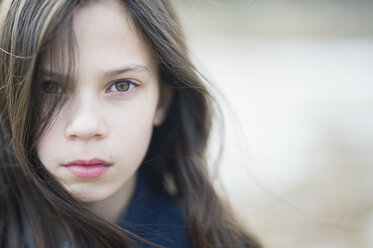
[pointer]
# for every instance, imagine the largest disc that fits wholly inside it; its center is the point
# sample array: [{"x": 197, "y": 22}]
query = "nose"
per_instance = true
[{"x": 86, "y": 121}]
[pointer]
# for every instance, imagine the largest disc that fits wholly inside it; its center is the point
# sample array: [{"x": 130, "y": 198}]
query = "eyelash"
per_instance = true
[
  {"x": 48, "y": 86},
  {"x": 130, "y": 84}
]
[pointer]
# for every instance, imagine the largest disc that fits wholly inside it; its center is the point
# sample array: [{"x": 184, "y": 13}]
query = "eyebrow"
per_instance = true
[
  {"x": 126, "y": 68},
  {"x": 114, "y": 72}
]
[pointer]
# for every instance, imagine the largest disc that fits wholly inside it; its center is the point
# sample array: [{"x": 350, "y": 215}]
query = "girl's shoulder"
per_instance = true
[{"x": 155, "y": 217}]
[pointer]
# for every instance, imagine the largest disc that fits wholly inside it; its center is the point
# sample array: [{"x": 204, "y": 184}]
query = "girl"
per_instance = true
[{"x": 104, "y": 124}]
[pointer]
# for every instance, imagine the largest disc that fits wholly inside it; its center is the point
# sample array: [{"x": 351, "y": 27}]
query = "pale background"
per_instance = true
[{"x": 297, "y": 79}]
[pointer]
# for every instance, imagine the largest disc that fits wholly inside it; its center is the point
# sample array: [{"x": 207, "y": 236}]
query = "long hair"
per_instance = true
[{"x": 34, "y": 208}]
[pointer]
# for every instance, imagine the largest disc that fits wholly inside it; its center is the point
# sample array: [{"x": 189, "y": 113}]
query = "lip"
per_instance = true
[
  {"x": 91, "y": 168},
  {"x": 88, "y": 162}
]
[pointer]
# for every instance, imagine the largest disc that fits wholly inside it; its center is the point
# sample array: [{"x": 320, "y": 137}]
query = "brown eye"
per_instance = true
[
  {"x": 50, "y": 87},
  {"x": 122, "y": 86}
]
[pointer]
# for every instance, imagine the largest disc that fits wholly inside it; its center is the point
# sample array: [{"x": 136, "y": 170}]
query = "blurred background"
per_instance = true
[{"x": 296, "y": 76}]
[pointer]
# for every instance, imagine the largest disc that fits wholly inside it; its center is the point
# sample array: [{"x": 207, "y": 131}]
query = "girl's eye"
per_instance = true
[
  {"x": 122, "y": 86},
  {"x": 51, "y": 88}
]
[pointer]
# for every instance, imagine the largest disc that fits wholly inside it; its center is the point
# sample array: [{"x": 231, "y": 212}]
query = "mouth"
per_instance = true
[{"x": 91, "y": 168}]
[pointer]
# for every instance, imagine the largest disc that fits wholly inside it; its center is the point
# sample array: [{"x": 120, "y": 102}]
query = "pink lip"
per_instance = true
[{"x": 88, "y": 168}]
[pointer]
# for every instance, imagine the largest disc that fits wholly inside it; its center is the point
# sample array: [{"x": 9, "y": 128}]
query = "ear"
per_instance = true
[{"x": 165, "y": 99}]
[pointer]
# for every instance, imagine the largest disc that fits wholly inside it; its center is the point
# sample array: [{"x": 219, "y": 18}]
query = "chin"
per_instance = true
[
  {"x": 92, "y": 198},
  {"x": 89, "y": 194}
]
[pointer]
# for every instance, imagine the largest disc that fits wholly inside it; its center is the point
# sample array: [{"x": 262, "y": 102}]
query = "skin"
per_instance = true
[{"x": 97, "y": 121}]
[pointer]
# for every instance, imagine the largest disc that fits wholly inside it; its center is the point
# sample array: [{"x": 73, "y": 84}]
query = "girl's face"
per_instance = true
[{"x": 95, "y": 144}]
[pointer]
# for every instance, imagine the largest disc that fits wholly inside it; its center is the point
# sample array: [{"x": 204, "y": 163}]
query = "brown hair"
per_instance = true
[{"x": 34, "y": 207}]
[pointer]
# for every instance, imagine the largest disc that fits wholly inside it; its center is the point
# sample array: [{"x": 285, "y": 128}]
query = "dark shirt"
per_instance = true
[{"x": 155, "y": 217}]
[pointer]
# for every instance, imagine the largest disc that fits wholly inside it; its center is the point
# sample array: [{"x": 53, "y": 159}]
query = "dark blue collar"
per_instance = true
[{"x": 155, "y": 217}]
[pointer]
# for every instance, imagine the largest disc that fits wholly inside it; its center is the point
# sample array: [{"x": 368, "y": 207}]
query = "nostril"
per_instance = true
[{"x": 86, "y": 126}]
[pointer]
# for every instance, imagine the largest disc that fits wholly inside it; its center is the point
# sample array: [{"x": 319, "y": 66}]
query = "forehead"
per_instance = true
[{"x": 105, "y": 38}]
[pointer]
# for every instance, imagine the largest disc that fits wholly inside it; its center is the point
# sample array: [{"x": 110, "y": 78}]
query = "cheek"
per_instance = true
[
  {"x": 132, "y": 124},
  {"x": 48, "y": 146},
  {"x": 131, "y": 134}
]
